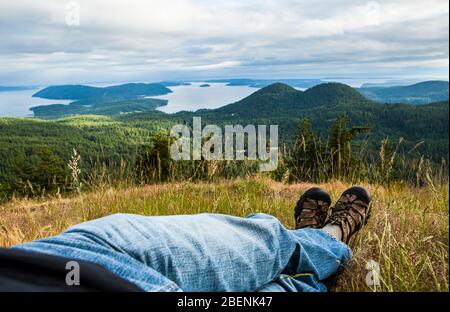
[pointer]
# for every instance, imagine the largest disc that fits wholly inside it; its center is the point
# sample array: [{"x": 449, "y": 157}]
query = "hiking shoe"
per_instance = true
[
  {"x": 351, "y": 211},
  {"x": 312, "y": 209}
]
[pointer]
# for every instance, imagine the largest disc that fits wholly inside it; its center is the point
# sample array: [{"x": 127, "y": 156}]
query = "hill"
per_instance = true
[
  {"x": 80, "y": 92},
  {"x": 419, "y": 93},
  {"x": 281, "y": 100}
]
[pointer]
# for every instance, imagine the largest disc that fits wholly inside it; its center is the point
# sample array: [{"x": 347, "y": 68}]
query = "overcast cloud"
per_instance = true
[{"x": 152, "y": 40}]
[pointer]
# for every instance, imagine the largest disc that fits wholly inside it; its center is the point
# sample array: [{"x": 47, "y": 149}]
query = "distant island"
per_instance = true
[
  {"x": 82, "y": 92},
  {"x": 174, "y": 83},
  {"x": 101, "y": 108},
  {"x": 420, "y": 93},
  {"x": 261, "y": 83},
  {"x": 205, "y": 85},
  {"x": 15, "y": 88},
  {"x": 120, "y": 99}
]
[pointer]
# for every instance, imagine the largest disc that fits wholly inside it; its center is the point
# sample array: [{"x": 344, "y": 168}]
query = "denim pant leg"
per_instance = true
[
  {"x": 320, "y": 256},
  {"x": 287, "y": 283},
  {"x": 195, "y": 253}
]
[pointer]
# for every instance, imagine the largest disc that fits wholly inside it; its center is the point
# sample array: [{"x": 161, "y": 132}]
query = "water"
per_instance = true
[
  {"x": 194, "y": 97},
  {"x": 18, "y": 103},
  {"x": 190, "y": 98}
]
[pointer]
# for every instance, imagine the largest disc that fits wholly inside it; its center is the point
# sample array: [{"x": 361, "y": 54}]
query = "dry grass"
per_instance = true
[{"x": 407, "y": 235}]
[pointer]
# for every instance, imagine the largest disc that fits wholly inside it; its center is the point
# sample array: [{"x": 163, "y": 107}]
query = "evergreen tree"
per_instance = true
[
  {"x": 340, "y": 147},
  {"x": 307, "y": 153},
  {"x": 153, "y": 163}
]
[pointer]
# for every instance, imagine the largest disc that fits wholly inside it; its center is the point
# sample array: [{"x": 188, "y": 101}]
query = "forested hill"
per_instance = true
[
  {"x": 81, "y": 92},
  {"x": 278, "y": 100}
]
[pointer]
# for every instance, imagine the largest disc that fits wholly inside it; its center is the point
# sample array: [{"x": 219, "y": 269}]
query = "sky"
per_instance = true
[{"x": 57, "y": 42}]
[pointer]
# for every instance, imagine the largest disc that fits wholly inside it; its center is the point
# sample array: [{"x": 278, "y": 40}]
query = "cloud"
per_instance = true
[{"x": 169, "y": 39}]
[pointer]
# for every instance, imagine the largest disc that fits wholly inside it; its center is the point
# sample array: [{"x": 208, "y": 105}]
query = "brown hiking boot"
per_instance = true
[
  {"x": 312, "y": 209},
  {"x": 351, "y": 211}
]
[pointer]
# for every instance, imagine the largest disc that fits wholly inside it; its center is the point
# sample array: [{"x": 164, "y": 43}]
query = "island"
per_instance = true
[
  {"x": 100, "y": 108},
  {"x": 82, "y": 92},
  {"x": 15, "y": 88},
  {"x": 87, "y": 100}
]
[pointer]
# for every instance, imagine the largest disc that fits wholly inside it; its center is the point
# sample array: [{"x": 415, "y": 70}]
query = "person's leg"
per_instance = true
[
  {"x": 333, "y": 230},
  {"x": 320, "y": 256},
  {"x": 103, "y": 250},
  {"x": 201, "y": 252}
]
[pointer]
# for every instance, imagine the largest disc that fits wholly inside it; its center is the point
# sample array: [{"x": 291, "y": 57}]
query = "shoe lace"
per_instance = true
[
  {"x": 320, "y": 211},
  {"x": 345, "y": 209}
]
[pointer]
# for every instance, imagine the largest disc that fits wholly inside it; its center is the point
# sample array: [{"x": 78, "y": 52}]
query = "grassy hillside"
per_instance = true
[{"x": 407, "y": 235}]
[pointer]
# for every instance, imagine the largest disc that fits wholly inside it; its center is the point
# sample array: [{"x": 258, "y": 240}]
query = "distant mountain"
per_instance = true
[
  {"x": 389, "y": 83},
  {"x": 261, "y": 83},
  {"x": 419, "y": 93},
  {"x": 81, "y": 92}
]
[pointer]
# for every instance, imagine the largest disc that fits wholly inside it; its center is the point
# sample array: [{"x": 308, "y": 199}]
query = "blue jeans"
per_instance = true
[{"x": 206, "y": 252}]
